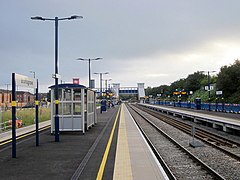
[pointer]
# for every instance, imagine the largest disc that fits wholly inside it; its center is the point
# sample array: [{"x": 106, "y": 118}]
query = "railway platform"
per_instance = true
[
  {"x": 134, "y": 158},
  {"x": 222, "y": 121},
  {"x": 113, "y": 149}
]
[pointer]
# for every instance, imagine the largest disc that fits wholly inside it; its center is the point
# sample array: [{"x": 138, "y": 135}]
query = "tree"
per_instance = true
[
  {"x": 229, "y": 81},
  {"x": 194, "y": 81}
]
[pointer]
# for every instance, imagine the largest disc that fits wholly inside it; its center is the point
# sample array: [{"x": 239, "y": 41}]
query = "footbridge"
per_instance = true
[
  {"x": 117, "y": 90},
  {"x": 139, "y": 90}
]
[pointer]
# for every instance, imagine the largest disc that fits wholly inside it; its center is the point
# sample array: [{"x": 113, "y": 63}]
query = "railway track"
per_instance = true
[
  {"x": 181, "y": 163},
  {"x": 227, "y": 146}
]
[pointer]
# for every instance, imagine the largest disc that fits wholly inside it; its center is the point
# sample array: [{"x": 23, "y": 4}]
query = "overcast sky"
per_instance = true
[{"x": 151, "y": 41}]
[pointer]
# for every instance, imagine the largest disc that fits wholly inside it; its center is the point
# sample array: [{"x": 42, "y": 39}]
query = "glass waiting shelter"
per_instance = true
[{"x": 77, "y": 108}]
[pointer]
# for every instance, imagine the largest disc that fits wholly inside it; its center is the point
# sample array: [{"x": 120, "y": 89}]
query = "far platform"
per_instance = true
[{"x": 219, "y": 120}]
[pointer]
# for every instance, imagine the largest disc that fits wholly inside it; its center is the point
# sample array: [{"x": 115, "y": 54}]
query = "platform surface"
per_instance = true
[
  {"x": 134, "y": 158},
  {"x": 20, "y": 131},
  {"x": 79, "y": 156},
  {"x": 213, "y": 116}
]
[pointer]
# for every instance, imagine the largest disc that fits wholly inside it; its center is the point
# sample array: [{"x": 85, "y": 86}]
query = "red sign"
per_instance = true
[{"x": 75, "y": 80}]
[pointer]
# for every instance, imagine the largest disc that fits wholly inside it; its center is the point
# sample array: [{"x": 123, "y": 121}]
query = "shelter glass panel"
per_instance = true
[
  {"x": 65, "y": 108},
  {"x": 90, "y": 107},
  {"x": 67, "y": 95},
  {"x": 77, "y": 95},
  {"x": 77, "y": 108}
]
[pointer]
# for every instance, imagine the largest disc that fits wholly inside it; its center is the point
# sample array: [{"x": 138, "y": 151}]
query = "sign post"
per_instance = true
[
  {"x": 195, "y": 143},
  {"x": 36, "y": 115},
  {"x": 19, "y": 80},
  {"x": 14, "y": 104}
]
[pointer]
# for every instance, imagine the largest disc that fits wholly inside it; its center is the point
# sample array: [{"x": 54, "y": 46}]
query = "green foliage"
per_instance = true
[
  {"x": 196, "y": 81},
  {"x": 128, "y": 97},
  {"x": 28, "y": 115},
  {"x": 228, "y": 81},
  {"x": 6, "y": 115},
  {"x": 203, "y": 95}
]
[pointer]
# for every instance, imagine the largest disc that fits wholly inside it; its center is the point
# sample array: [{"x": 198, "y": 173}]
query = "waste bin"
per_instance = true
[{"x": 198, "y": 103}]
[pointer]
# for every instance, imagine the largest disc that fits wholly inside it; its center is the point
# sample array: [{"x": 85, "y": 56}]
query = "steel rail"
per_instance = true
[
  {"x": 207, "y": 138},
  {"x": 158, "y": 156},
  {"x": 209, "y": 169}
]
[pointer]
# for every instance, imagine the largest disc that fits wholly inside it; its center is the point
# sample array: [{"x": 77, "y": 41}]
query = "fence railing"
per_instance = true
[
  {"x": 219, "y": 107},
  {"x": 4, "y": 126}
]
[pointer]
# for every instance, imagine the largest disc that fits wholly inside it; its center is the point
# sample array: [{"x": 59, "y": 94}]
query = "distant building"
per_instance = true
[
  {"x": 5, "y": 98},
  {"x": 23, "y": 98}
]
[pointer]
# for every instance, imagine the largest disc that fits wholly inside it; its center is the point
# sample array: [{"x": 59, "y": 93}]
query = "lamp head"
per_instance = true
[
  {"x": 75, "y": 17},
  {"x": 38, "y": 18},
  {"x": 81, "y": 59}
]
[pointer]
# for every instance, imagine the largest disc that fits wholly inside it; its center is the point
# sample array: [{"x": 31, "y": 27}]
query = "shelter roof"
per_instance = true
[{"x": 69, "y": 85}]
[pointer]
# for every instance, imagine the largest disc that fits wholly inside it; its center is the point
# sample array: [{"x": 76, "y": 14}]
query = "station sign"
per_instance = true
[
  {"x": 206, "y": 88},
  {"x": 25, "y": 81},
  {"x": 219, "y": 92},
  {"x": 76, "y": 81}
]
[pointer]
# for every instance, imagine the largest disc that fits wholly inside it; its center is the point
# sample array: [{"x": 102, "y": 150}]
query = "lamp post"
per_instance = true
[
  {"x": 34, "y": 74},
  {"x": 208, "y": 74},
  {"x": 106, "y": 84},
  {"x": 100, "y": 74},
  {"x": 56, "y": 76},
  {"x": 89, "y": 68}
]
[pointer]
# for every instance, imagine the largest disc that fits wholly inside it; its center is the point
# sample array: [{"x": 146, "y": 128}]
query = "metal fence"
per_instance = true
[
  {"x": 219, "y": 107},
  {"x": 4, "y": 126}
]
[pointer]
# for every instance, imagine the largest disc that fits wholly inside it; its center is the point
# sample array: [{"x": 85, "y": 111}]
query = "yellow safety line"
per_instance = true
[
  {"x": 104, "y": 160},
  {"x": 22, "y": 136}
]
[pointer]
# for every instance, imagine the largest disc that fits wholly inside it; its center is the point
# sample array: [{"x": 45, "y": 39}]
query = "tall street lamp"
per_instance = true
[
  {"x": 208, "y": 74},
  {"x": 34, "y": 74},
  {"x": 56, "y": 76},
  {"x": 106, "y": 84},
  {"x": 89, "y": 68},
  {"x": 101, "y": 73}
]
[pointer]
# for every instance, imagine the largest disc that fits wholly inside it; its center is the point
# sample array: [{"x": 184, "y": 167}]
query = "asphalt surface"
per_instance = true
[{"x": 76, "y": 156}]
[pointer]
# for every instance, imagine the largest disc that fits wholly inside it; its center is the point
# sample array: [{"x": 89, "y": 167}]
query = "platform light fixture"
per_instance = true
[
  {"x": 89, "y": 68},
  {"x": 208, "y": 75},
  {"x": 100, "y": 74},
  {"x": 34, "y": 74},
  {"x": 106, "y": 84},
  {"x": 56, "y": 76}
]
